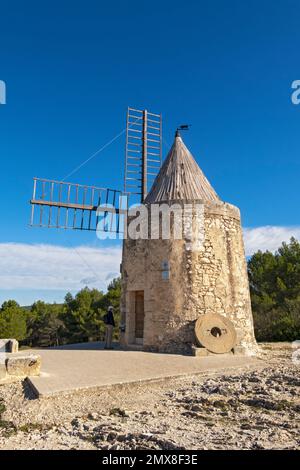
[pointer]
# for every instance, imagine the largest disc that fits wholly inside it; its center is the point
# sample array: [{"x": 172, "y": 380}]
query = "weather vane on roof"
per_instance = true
[{"x": 183, "y": 127}]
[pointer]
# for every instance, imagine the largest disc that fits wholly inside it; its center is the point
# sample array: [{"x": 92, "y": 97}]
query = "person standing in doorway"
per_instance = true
[{"x": 110, "y": 324}]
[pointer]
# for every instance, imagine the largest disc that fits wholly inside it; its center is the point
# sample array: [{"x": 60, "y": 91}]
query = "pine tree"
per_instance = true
[{"x": 12, "y": 321}]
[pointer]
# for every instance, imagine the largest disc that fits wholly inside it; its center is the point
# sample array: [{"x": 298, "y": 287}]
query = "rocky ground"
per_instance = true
[{"x": 252, "y": 408}]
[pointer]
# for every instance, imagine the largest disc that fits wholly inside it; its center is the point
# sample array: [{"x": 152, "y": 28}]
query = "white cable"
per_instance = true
[{"x": 99, "y": 151}]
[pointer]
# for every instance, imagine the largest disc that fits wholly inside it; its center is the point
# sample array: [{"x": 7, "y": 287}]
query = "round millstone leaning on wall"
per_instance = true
[
  {"x": 218, "y": 280},
  {"x": 209, "y": 278},
  {"x": 216, "y": 333}
]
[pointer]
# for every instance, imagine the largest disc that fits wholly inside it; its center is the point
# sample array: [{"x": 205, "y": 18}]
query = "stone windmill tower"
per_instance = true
[{"x": 178, "y": 293}]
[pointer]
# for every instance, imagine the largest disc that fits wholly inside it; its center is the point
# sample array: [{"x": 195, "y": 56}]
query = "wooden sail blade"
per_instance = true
[
  {"x": 143, "y": 152},
  {"x": 79, "y": 207}
]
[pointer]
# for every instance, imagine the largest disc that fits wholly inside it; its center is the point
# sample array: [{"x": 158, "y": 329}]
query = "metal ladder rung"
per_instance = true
[
  {"x": 134, "y": 137},
  {"x": 135, "y": 110},
  {"x": 152, "y": 114},
  {"x": 151, "y": 120},
  {"x": 133, "y": 143},
  {"x": 151, "y": 133},
  {"x": 135, "y": 117},
  {"x": 135, "y": 120},
  {"x": 135, "y": 130}
]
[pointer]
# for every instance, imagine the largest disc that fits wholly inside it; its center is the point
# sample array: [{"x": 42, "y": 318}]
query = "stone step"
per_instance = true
[
  {"x": 203, "y": 352},
  {"x": 134, "y": 347}
]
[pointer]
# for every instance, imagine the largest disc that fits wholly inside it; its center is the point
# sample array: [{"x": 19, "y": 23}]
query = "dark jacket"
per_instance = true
[{"x": 110, "y": 318}]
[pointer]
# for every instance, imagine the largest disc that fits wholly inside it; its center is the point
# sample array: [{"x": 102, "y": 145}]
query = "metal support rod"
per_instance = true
[
  {"x": 41, "y": 208},
  {"x": 92, "y": 203},
  {"x": 65, "y": 205},
  {"x": 160, "y": 140},
  {"x": 58, "y": 208},
  {"x": 33, "y": 197},
  {"x": 126, "y": 148},
  {"x": 67, "y": 210},
  {"x": 51, "y": 198}
]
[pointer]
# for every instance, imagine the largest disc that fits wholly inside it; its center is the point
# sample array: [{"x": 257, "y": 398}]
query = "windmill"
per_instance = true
[
  {"x": 174, "y": 298},
  {"x": 60, "y": 204}
]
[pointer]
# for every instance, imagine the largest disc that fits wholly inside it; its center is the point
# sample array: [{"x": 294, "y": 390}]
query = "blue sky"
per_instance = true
[{"x": 72, "y": 68}]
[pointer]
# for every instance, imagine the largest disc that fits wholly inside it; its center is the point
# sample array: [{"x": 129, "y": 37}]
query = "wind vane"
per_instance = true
[{"x": 183, "y": 127}]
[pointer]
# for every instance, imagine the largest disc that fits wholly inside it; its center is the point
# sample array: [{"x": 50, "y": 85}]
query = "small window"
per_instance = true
[{"x": 165, "y": 266}]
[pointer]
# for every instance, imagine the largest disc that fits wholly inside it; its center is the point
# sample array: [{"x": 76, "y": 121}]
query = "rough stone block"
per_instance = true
[
  {"x": 242, "y": 351},
  {"x": 2, "y": 370},
  {"x": 228, "y": 354},
  {"x": 14, "y": 346},
  {"x": 25, "y": 365},
  {"x": 9, "y": 345},
  {"x": 199, "y": 352},
  {"x": 209, "y": 300}
]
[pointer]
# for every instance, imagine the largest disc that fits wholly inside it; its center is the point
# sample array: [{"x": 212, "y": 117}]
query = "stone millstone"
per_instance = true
[{"x": 216, "y": 333}]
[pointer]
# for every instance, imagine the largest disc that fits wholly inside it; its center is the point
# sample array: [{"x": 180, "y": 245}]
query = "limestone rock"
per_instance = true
[
  {"x": 9, "y": 345},
  {"x": 2, "y": 370},
  {"x": 199, "y": 352}
]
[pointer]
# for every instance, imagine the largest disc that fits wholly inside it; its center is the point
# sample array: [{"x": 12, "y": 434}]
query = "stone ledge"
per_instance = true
[{"x": 203, "y": 352}]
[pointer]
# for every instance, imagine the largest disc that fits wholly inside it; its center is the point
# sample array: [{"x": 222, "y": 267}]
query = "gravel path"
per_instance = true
[{"x": 255, "y": 408}]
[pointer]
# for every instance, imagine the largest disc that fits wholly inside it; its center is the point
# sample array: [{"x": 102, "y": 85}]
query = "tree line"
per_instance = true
[
  {"x": 275, "y": 295},
  {"x": 78, "y": 319},
  {"x": 275, "y": 292}
]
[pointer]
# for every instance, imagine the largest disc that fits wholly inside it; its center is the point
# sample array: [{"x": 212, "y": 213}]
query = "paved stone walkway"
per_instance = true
[{"x": 88, "y": 366}]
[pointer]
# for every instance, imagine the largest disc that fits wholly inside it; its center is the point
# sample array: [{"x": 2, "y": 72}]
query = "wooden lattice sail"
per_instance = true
[{"x": 81, "y": 207}]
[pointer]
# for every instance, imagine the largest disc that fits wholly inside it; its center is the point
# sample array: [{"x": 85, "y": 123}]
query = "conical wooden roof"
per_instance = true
[{"x": 180, "y": 178}]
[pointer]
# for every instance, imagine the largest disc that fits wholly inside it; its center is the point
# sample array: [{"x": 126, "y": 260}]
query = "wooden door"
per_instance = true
[{"x": 139, "y": 314}]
